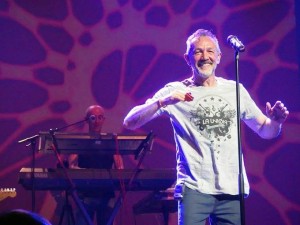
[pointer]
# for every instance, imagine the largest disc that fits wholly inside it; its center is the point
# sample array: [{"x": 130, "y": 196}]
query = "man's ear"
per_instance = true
[
  {"x": 186, "y": 57},
  {"x": 219, "y": 58}
]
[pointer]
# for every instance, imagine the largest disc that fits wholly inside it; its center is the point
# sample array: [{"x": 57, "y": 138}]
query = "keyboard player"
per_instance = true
[{"x": 98, "y": 204}]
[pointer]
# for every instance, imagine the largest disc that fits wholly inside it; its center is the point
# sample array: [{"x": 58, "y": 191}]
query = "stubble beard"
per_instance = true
[{"x": 205, "y": 73}]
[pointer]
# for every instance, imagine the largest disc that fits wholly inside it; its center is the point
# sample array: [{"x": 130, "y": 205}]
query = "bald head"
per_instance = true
[
  {"x": 95, "y": 118},
  {"x": 91, "y": 110}
]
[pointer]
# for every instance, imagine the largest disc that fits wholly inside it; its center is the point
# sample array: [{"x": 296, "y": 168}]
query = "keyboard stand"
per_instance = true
[
  {"x": 158, "y": 202},
  {"x": 67, "y": 208}
]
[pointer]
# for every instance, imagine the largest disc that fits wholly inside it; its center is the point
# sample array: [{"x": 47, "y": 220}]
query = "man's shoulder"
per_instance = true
[
  {"x": 175, "y": 84},
  {"x": 224, "y": 81},
  {"x": 227, "y": 82}
]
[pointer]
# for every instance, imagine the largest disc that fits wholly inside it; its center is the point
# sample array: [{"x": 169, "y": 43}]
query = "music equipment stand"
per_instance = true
[
  {"x": 31, "y": 142},
  {"x": 67, "y": 208},
  {"x": 68, "y": 143},
  {"x": 104, "y": 143},
  {"x": 145, "y": 146},
  {"x": 72, "y": 187},
  {"x": 158, "y": 202}
]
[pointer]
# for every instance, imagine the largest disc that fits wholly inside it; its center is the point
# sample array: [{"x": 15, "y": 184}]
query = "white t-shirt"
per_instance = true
[{"x": 205, "y": 132}]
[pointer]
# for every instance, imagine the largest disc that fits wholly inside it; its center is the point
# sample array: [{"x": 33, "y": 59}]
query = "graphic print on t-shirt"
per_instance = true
[{"x": 213, "y": 117}]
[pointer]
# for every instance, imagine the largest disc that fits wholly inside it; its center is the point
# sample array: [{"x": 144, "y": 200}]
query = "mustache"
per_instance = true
[{"x": 202, "y": 62}]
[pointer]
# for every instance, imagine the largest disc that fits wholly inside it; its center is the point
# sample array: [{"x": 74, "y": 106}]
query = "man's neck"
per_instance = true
[{"x": 210, "y": 81}]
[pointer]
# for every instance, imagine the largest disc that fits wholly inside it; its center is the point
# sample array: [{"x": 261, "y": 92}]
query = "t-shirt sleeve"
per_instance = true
[
  {"x": 249, "y": 109},
  {"x": 166, "y": 90}
]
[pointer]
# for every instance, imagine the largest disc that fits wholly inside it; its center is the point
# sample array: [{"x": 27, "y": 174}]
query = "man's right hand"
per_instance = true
[{"x": 176, "y": 96}]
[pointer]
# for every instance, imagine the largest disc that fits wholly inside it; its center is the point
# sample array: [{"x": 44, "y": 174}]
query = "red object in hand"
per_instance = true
[{"x": 188, "y": 97}]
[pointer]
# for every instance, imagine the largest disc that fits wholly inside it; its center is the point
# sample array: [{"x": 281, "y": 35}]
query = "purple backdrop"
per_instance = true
[{"x": 58, "y": 57}]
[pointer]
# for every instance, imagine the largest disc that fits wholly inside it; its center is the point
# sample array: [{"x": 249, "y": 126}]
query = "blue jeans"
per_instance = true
[{"x": 195, "y": 208}]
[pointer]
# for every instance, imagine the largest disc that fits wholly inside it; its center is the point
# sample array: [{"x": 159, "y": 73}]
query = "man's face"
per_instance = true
[
  {"x": 203, "y": 57},
  {"x": 95, "y": 124}
]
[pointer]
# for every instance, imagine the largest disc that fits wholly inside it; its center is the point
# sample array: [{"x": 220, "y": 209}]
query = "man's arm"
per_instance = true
[
  {"x": 142, "y": 114},
  {"x": 73, "y": 161},
  {"x": 118, "y": 162},
  {"x": 270, "y": 126}
]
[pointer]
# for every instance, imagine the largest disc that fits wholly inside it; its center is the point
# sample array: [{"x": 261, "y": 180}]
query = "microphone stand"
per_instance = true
[
  {"x": 240, "y": 154},
  {"x": 31, "y": 142},
  {"x": 72, "y": 124}
]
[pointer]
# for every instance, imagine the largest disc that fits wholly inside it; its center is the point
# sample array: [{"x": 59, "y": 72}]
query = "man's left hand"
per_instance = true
[{"x": 278, "y": 112}]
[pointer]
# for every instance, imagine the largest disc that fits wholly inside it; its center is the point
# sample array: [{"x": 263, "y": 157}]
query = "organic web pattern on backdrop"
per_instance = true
[{"x": 58, "y": 57}]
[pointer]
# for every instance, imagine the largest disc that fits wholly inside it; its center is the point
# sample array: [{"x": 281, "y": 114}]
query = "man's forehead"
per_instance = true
[
  {"x": 96, "y": 110},
  {"x": 203, "y": 41}
]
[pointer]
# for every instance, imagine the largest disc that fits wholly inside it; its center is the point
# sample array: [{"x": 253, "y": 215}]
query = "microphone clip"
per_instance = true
[{"x": 236, "y": 43}]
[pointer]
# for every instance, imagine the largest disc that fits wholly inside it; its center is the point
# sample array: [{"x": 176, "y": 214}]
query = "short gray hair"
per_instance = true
[{"x": 201, "y": 33}]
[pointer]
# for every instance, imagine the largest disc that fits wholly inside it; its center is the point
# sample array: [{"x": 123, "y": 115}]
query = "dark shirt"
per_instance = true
[{"x": 96, "y": 162}]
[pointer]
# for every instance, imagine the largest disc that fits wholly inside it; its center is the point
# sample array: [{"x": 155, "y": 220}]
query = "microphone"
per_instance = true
[{"x": 236, "y": 43}]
